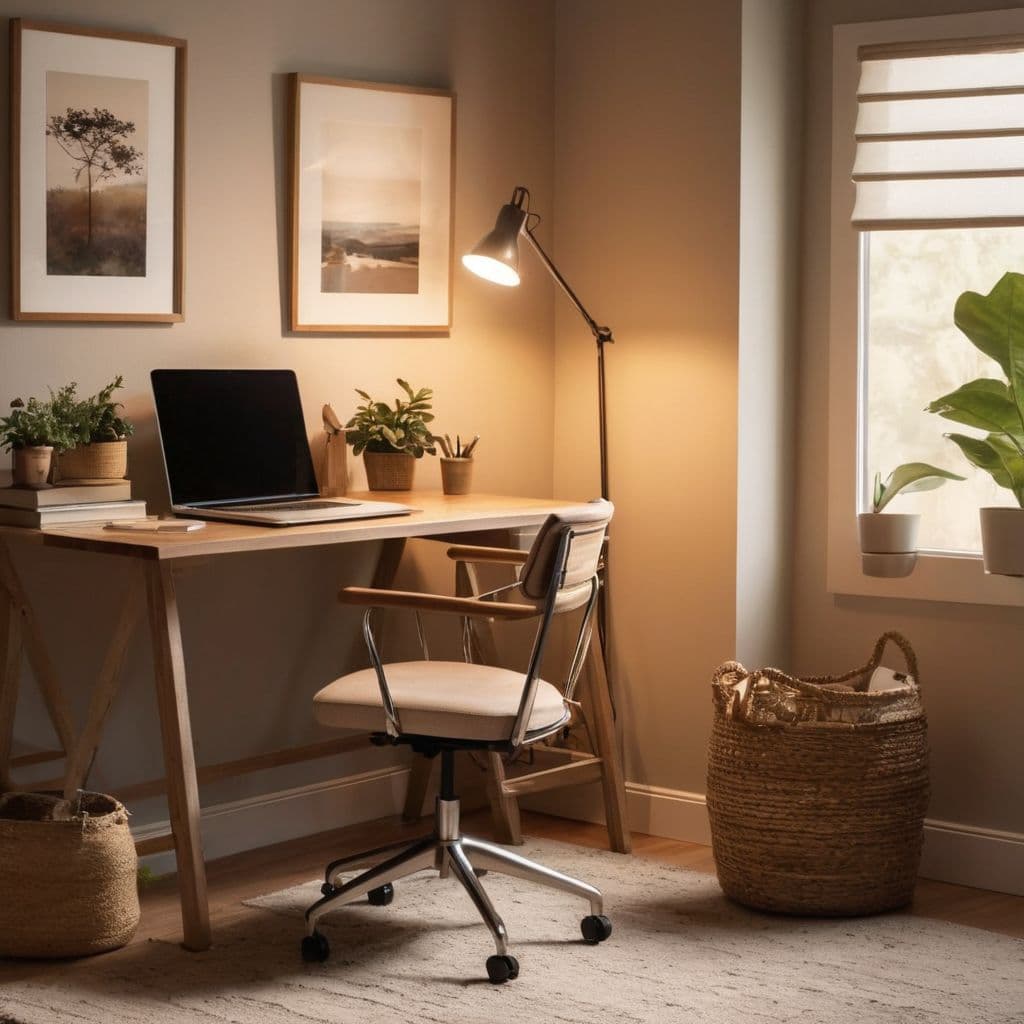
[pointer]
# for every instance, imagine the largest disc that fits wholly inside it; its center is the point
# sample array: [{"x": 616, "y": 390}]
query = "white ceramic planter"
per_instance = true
[
  {"x": 1002, "y": 541},
  {"x": 888, "y": 543}
]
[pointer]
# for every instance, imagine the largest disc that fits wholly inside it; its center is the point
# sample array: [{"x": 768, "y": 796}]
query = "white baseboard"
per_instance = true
[
  {"x": 984, "y": 858},
  {"x": 287, "y": 814},
  {"x": 961, "y": 854}
]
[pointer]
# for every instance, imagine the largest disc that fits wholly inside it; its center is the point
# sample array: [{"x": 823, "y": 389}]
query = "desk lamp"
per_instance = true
[{"x": 496, "y": 258}]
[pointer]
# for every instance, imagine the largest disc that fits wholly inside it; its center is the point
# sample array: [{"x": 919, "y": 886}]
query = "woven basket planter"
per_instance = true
[
  {"x": 389, "y": 471},
  {"x": 67, "y": 876},
  {"x": 101, "y": 460},
  {"x": 817, "y": 788}
]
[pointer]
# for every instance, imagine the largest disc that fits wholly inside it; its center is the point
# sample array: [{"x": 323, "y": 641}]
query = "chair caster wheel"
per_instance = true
[
  {"x": 327, "y": 889},
  {"x": 315, "y": 948},
  {"x": 595, "y": 928},
  {"x": 381, "y": 896},
  {"x": 501, "y": 969}
]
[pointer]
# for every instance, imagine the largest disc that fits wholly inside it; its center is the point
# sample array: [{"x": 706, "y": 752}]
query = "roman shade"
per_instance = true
[{"x": 940, "y": 134}]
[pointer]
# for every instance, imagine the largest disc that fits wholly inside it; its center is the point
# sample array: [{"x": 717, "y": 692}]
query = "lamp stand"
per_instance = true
[{"x": 603, "y": 336}]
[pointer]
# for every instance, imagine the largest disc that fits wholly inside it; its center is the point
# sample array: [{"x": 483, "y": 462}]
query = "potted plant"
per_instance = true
[
  {"x": 888, "y": 540},
  {"x": 994, "y": 324},
  {"x": 390, "y": 439},
  {"x": 100, "y": 433},
  {"x": 32, "y": 431}
]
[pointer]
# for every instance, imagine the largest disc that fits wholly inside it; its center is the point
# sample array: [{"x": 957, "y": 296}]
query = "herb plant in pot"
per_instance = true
[
  {"x": 390, "y": 439},
  {"x": 32, "y": 432},
  {"x": 994, "y": 324},
  {"x": 100, "y": 434},
  {"x": 888, "y": 540}
]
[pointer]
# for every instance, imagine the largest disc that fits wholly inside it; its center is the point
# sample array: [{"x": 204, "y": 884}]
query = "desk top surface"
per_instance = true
[{"x": 434, "y": 513}]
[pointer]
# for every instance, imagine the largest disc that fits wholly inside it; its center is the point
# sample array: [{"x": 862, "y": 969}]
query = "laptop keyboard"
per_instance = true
[{"x": 289, "y": 506}]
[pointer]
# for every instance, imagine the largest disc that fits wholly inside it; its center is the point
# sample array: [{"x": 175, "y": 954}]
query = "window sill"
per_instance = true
[{"x": 956, "y": 579}]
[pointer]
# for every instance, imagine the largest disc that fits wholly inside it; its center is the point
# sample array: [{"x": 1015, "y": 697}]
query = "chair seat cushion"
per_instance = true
[{"x": 439, "y": 698}]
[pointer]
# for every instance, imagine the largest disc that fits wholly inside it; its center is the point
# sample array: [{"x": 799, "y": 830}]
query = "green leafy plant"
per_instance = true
[
  {"x": 994, "y": 324},
  {"x": 33, "y": 424},
  {"x": 379, "y": 427},
  {"x": 92, "y": 419},
  {"x": 908, "y": 479}
]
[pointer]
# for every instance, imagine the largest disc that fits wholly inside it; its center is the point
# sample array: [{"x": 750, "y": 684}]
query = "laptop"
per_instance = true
[{"x": 235, "y": 447}]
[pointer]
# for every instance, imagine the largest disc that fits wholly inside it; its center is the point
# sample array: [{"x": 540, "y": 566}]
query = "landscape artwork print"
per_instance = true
[
  {"x": 96, "y": 135},
  {"x": 371, "y": 203},
  {"x": 370, "y": 229}
]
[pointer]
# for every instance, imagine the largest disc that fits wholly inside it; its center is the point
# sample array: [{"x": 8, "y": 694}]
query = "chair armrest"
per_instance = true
[
  {"x": 471, "y": 606},
  {"x": 474, "y": 553}
]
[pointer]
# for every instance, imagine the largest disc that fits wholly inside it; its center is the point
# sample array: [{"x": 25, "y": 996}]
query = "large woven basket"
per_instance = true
[
  {"x": 67, "y": 875},
  {"x": 817, "y": 788}
]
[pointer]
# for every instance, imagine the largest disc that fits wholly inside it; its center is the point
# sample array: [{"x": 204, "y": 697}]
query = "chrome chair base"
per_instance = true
[{"x": 465, "y": 858}]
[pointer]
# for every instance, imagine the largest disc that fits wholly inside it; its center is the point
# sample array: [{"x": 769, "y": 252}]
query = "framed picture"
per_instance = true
[
  {"x": 371, "y": 197},
  {"x": 97, "y": 168}
]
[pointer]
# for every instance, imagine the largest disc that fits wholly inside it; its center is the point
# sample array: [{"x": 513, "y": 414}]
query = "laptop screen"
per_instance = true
[{"x": 232, "y": 435}]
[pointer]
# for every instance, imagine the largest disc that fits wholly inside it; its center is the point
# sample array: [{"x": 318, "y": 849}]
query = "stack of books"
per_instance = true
[{"x": 67, "y": 504}]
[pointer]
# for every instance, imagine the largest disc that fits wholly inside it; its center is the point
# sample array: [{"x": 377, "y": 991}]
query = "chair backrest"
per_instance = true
[{"x": 587, "y": 524}]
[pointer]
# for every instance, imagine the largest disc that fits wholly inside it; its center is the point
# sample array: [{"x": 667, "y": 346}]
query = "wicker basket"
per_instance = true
[
  {"x": 817, "y": 788},
  {"x": 389, "y": 471},
  {"x": 101, "y": 460},
  {"x": 67, "y": 875}
]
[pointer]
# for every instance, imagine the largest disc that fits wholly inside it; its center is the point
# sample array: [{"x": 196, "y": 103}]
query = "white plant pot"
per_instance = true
[
  {"x": 888, "y": 543},
  {"x": 1002, "y": 540}
]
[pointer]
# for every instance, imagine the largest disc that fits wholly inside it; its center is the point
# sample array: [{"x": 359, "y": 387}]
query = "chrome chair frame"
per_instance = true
[{"x": 447, "y": 849}]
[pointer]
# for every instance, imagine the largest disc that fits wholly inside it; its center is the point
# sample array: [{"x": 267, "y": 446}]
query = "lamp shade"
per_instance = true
[{"x": 496, "y": 256}]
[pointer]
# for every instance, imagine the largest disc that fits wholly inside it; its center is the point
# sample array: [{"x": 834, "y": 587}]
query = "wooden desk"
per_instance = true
[{"x": 157, "y": 555}]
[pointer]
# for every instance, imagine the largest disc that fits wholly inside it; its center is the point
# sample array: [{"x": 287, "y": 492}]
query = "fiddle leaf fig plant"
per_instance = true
[
  {"x": 908, "y": 478},
  {"x": 994, "y": 324},
  {"x": 379, "y": 427}
]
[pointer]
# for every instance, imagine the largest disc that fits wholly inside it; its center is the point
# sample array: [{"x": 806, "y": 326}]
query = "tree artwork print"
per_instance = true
[{"x": 96, "y": 175}]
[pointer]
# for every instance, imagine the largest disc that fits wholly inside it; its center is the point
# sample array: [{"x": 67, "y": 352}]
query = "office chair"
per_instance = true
[{"x": 440, "y": 707}]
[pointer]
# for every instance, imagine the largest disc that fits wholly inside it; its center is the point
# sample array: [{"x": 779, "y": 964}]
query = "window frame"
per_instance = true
[{"x": 944, "y": 576}]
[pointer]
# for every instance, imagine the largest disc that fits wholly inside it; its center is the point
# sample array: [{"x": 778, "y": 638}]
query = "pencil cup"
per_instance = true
[{"x": 456, "y": 475}]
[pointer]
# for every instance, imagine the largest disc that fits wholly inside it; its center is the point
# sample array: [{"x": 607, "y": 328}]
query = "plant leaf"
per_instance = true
[
  {"x": 984, "y": 403},
  {"x": 913, "y": 476},
  {"x": 990, "y": 321},
  {"x": 877, "y": 492},
  {"x": 980, "y": 452}
]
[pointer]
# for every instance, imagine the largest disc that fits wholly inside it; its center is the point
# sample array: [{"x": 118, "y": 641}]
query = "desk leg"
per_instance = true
[
  {"x": 42, "y": 668},
  {"x": 80, "y": 759},
  {"x": 612, "y": 779},
  {"x": 10, "y": 676},
  {"x": 179, "y": 757}
]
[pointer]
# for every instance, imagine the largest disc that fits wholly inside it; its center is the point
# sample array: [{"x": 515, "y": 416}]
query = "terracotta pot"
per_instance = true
[
  {"x": 389, "y": 471},
  {"x": 456, "y": 475},
  {"x": 32, "y": 466},
  {"x": 1002, "y": 540},
  {"x": 101, "y": 460},
  {"x": 888, "y": 543}
]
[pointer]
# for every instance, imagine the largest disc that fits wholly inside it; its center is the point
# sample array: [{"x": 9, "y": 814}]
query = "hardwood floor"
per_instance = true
[{"x": 256, "y": 872}]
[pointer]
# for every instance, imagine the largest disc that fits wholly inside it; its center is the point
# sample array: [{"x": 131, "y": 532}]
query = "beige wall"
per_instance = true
[
  {"x": 970, "y": 655},
  {"x": 647, "y": 203},
  {"x": 262, "y": 633}
]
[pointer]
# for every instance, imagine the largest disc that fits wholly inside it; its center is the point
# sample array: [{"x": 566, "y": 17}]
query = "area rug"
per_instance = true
[{"x": 680, "y": 952}]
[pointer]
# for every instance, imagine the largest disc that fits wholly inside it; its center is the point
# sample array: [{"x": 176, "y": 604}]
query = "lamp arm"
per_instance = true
[{"x": 601, "y": 334}]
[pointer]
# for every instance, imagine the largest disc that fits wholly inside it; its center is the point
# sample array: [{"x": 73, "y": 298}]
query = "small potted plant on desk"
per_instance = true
[
  {"x": 391, "y": 439},
  {"x": 888, "y": 540},
  {"x": 32, "y": 432},
  {"x": 994, "y": 324},
  {"x": 99, "y": 432}
]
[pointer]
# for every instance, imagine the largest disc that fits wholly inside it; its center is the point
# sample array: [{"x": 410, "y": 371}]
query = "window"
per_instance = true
[{"x": 927, "y": 202}]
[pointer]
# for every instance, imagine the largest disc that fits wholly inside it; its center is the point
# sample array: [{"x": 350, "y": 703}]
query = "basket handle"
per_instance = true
[{"x": 904, "y": 645}]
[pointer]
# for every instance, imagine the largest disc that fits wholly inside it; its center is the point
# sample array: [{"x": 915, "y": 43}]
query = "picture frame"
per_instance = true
[
  {"x": 372, "y": 202},
  {"x": 97, "y": 174}
]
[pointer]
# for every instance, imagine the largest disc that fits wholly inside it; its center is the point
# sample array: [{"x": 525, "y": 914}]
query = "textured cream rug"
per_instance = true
[{"x": 680, "y": 953}]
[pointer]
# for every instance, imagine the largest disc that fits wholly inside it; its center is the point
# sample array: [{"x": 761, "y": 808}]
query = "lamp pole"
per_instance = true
[{"x": 602, "y": 336}]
